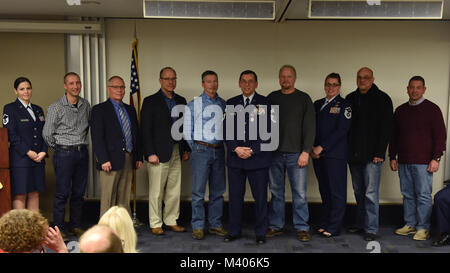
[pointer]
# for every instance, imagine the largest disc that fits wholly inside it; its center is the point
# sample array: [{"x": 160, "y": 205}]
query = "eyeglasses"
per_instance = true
[
  {"x": 169, "y": 79},
  {"x": 117, "y": 86},
  {"x": 366, "y": 78},
  {"x": 332, "y": 85}
]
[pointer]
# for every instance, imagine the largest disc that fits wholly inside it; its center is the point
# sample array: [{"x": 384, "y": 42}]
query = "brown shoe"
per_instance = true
[
  {"x": 157, "y": 231},
  {"x": 273, "y": 232},
  {"x": 303, "y": 235},
  {"x": 198, "y": 234},
  {"x": 177, "y": 228},
  {"x": 218, "y": 231}
]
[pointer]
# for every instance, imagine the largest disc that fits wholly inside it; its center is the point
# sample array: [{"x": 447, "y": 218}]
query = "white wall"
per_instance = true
[{"x": 396, "y": 51}]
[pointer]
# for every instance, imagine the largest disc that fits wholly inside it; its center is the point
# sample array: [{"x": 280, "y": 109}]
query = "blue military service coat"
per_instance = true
[
  {"x": 332, "y": 125},
  {"x": 260, "y": 159},
  {"x": 24, "y": 133}
]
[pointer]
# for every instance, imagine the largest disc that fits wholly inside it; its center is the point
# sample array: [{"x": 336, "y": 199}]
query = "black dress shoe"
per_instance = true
[
  {"x": 444, "y": 239},
  {"x": 355, "y": 230},
  {"x": 370, "y": 236},
  {"x": 229, "y": 238},
  {"x": 260, "y": 240}
]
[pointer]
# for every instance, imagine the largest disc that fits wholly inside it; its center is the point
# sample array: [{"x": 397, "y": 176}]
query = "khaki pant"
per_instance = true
[
  {"x": 165, "y": 186},
  {"x": 115, "y": 186}
]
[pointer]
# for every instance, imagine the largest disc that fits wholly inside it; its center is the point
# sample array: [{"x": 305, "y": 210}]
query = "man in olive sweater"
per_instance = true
[
  {"x": 297, "y": 127},
  {"x": 368, "y": 139},
  {"x": 418, "y": 140}
]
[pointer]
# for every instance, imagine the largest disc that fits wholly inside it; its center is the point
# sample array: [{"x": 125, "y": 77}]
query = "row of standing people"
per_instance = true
[{"x": 119, "y": 148}]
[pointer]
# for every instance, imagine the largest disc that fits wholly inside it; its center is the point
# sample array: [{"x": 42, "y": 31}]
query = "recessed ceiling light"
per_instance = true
[{"x": 73, "y": 2}]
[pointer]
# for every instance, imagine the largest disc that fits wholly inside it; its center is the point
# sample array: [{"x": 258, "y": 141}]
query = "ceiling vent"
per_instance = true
[
  {"x": 250, "y": 10},
  {"x": 371, "y": 9}
]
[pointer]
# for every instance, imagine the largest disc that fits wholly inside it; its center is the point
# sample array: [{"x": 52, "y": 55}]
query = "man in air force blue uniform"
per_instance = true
[{"x": 245, "y": 159}]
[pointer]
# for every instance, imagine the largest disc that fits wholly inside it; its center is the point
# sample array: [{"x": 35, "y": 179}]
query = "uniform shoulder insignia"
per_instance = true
[
  {"x": 348, "y": 113},
  {"x": 5, "y": 119}
]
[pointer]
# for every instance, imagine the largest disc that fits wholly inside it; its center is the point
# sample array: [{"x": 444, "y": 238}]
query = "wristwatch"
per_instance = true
[{"x": 437, "y": 159}]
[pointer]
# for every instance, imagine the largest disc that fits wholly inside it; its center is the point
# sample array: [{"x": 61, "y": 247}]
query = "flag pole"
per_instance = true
[{"x": 136, "y": 222}]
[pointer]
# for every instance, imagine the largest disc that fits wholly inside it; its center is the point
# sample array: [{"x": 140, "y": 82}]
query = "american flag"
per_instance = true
[{"x": 135, "y": 92}]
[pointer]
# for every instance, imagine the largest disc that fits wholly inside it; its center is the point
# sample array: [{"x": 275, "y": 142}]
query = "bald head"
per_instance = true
[
  {"x": 100, "y": 239},
  {"x": 364, "y": 79}
]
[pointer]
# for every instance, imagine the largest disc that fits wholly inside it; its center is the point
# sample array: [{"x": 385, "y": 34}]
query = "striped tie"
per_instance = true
[{"x": 126, "y": 129}]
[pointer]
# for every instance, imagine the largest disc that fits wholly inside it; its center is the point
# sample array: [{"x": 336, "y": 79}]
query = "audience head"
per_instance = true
[
  {"x": 22, "y": 230},
  {"x": 120, "y": 221},
  {"x": 100, "y": 239}
]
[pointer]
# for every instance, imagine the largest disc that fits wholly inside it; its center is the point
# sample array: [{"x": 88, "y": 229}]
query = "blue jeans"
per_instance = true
[
  {"x": 71, "y": 171},
  {"x": 281, "y": 162},
  {"x": 366, "y": 185},
  {"x": 416, "y": 186},
  {"x": 207, "y": 164}
]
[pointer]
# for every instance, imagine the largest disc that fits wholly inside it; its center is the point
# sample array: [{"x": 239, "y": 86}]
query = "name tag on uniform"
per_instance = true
[
  {"x": 335, "y": 110},
  {"x": 24, "y": 120},
  {"x": 41, "y": 118}
]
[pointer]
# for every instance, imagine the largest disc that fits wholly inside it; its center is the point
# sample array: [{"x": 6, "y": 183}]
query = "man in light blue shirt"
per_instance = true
[{"x": 203, "y": 132}]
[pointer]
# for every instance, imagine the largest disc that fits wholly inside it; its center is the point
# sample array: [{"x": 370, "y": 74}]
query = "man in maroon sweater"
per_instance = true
[{"x": 418, "y": 139}]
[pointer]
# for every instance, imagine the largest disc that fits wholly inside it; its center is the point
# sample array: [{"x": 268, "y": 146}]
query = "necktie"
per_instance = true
[
  {"x": 247, "y": 102},
  {"x": 325, "y": 104},
  {"x": 31, "y": 113},
  {"x": 126, "y": 129}
]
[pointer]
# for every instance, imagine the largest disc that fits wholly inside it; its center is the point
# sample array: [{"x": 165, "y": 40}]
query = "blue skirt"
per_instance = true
[{"x": 27, "y": 179}]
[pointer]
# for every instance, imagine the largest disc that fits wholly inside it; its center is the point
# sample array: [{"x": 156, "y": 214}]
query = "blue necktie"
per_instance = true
[{"x": 126, "y": 129}]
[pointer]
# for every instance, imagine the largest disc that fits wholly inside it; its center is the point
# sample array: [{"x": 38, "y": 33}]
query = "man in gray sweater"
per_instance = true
[{"x": 297, "y": 127}]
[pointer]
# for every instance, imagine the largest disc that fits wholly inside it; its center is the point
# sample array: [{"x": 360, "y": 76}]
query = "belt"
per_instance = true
[
  {"x": 72, "y": 147},
  {"x": 215, "y": 146}
]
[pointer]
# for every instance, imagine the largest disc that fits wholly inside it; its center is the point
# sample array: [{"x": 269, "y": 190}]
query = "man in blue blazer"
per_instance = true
[
  {"x": 117, "y": 146},
  {"x": 245, "y": 159}
]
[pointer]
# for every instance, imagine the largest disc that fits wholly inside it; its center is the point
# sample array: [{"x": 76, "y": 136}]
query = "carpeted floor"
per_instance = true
[{"x": 173, "y": 242}]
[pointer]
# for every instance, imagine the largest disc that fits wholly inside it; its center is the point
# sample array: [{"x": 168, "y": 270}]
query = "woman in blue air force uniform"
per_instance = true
[
  {"x": 27, "y": 149},
  {"x": 333, "y": 118}
]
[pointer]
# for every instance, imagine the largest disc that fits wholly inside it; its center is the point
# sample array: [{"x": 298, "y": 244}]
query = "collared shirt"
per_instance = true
[
  {"x": 67, "y": 124},
  {"x": 326, "y": 102},
  {"x": 171, "y": 103},
  {"x": 29, "y": 109},
  {"x": 250, "y": 98},
  {"x": 418, "y": 102},
  {"x": 116, "y": 108},
  {"x": 200, "y": 116}
]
